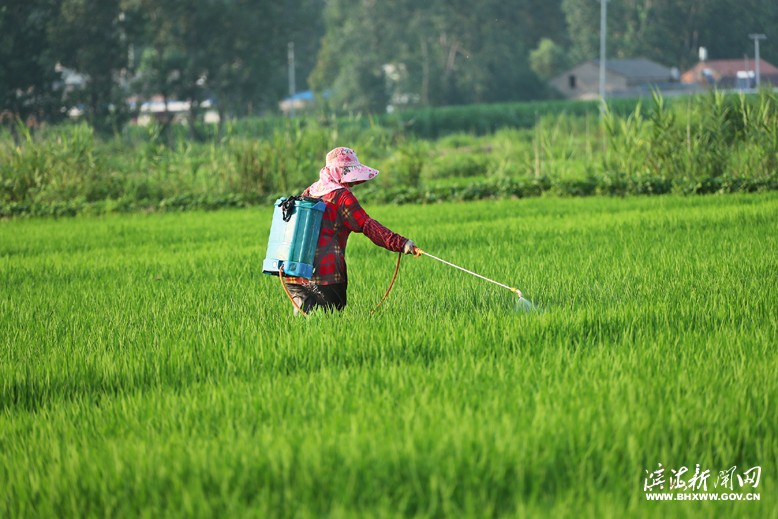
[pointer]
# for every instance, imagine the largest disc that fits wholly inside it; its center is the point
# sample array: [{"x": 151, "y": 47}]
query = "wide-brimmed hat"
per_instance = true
[{"x": 353, "y": 170}]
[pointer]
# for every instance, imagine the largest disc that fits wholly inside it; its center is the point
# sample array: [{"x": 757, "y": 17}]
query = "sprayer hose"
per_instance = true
[
  {"x": 391, "y": 283},
  {"x": 286, "y": 289}
]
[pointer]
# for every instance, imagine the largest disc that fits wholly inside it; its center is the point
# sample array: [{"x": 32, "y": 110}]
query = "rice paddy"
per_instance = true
[{"x": 148, "y": 367}]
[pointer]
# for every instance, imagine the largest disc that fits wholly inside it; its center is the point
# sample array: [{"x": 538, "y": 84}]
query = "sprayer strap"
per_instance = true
[{"x": 287, "y": 206}]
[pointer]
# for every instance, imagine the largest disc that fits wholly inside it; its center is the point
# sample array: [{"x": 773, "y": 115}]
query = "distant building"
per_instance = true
[
  {"x": 623, "y": 78},
  {"x": 727, "y": 74},
  {"x": 297, "y": 102},
  {"x": 302, "y": 101},
  {"x": 70, "y": 80},
  {"x": 158, "y": 109}
]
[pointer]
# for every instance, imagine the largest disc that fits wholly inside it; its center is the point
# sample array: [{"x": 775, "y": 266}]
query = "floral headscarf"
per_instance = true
[{"x": 342, "y": 167}]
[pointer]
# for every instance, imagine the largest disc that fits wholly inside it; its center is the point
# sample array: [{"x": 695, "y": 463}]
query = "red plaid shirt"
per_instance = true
[{"x": 343, "y": 216}]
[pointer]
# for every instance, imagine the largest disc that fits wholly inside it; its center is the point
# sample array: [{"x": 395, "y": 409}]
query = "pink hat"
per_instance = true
[
  {"x": 347, "y": 158},
  {"x": 342, "y": 168}
]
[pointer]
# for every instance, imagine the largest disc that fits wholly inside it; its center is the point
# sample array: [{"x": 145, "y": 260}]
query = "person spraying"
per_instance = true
[{"x": 343, "y": 215}]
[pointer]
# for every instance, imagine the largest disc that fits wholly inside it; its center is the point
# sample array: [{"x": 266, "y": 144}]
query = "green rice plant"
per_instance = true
[{"x": 148, "y": 367}]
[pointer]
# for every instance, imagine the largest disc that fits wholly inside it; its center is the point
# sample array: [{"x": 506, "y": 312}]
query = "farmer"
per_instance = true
[{"x": 343, "y": 215}]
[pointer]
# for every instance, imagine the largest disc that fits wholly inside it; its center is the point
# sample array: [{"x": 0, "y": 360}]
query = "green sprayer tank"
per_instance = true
[{"x": 294, "y": 234}]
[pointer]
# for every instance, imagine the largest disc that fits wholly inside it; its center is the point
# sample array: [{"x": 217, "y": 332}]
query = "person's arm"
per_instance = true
[{"x": 357, "y": 220}]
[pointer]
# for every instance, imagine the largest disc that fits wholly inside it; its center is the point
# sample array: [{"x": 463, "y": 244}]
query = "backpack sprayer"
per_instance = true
[{"x": 294, "y": 235}]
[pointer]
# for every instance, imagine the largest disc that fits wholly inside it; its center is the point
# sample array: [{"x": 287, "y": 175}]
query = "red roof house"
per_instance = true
[{"x": 731, "y": 73}]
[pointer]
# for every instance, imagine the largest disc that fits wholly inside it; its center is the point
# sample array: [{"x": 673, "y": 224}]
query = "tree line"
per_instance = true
[{"x": 360, "y": 55}]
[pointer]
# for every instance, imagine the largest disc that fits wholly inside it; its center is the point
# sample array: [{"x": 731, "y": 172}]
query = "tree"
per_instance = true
[
  {"x": 448, "y": 52},
  {"x": 539, "y": 19},
  {"x": 229, "y": 51},
  {"x": 350, "y": 61},
  {"x": 255, "y": 75},
  {"x": 725, "y": 25},
  {"x": 89, "y": 37},
  {"x": 671, "y": 31},
  {"x": 548, "y": 59},
  {"x": 27, "y": 74}
]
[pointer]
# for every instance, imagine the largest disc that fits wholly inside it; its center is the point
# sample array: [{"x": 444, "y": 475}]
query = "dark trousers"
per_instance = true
[{"x": 328, "y": 297}]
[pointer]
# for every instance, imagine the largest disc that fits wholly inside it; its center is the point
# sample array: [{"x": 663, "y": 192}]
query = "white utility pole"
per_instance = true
[
  {"x": 290, "y": 62},
  {"x": 603, "y": 32},
  {"x": 756, "y": 38}
]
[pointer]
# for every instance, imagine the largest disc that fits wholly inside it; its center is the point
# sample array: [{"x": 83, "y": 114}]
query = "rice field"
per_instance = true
[{"x": 149, "y": 369}]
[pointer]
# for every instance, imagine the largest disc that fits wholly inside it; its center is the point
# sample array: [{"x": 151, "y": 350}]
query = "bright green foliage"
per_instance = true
[
  {"x": 147, "y": 367},
  {"x": 548, "y": 59},
  {"x": 713, "y": 142},
  {"x": 707, "y": 144}
]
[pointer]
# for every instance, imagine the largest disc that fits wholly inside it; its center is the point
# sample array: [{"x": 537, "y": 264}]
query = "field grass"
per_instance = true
[{"x": 148, "y": 368}]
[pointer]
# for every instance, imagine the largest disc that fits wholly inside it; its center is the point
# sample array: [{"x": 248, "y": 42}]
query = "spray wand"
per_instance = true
[
  {"x": 514, "y": 290},
  {"x": 525, "y": 303}
]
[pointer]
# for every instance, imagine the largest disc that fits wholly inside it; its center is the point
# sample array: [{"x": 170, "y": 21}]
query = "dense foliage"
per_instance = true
[
  {"x": 706, "y": 144},
  {"x": 361, "y": 55}
]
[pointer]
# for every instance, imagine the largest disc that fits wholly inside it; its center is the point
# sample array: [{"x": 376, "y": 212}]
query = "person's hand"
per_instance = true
[{"x": 411, "y": 248}]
